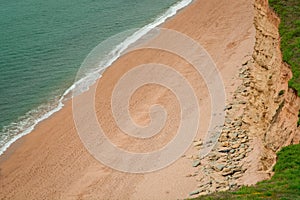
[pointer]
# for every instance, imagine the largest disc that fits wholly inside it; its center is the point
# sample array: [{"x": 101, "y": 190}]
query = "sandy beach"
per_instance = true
[{"x": 52, "y": 163}]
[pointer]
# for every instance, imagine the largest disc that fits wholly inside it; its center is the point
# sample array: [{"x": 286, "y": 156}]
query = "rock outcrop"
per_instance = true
[
  {"x": 272, "y": 110},
  {"x": 262, "y": 117}
]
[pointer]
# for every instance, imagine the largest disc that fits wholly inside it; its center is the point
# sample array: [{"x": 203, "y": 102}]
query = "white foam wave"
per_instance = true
[{"x": 84, "y": 83}]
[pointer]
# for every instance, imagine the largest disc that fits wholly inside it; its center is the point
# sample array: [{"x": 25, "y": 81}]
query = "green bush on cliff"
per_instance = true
[
  {"x": 289, "y": 29},
  {"x": 285, "y": 184}
]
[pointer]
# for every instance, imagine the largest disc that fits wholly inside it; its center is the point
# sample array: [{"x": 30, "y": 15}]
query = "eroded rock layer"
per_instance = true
[{"x": 261, "y": 118}]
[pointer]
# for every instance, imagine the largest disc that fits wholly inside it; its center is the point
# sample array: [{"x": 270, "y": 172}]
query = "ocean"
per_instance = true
[{"x": 43, "y": 44}]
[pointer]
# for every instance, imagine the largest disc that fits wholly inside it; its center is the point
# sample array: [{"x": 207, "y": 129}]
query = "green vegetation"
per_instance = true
[
  {"x": 285, "y": 184},
  {"x": 289, "y": 29}
]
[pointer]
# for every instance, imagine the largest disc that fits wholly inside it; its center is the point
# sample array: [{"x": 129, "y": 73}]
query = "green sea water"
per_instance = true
[{"x": 43, "y": 43}]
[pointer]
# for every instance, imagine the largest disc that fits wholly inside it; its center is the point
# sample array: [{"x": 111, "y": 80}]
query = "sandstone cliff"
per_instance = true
[
  {"x": 261, "y": 118},
  {"x": 272, "y": 110}
]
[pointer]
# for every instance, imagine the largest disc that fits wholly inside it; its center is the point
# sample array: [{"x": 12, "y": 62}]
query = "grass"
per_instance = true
[
  {"x": 289, "y": 29},
  {"x": 285, "y": 184}
]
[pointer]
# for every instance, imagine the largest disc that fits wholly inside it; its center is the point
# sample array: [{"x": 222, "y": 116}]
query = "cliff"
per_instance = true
[
  {"x": 261, "y": 118},
  {"x": 272, "y": 110}
]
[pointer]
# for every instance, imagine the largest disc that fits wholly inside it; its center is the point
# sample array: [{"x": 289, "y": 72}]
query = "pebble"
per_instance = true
[
  {"x": 198, "y": 143},
  {"x": 227, "y": 173},
  {"x": 194, "y": 192},
  {"x": 224, "y": 189},
  {"x": 228, "y": 121},
  {"x": 224, "y": 150},
  {"x": 202, "y": 193},
  {"x": 240, "y": 157},
  {"x": 242, "y": 151},
  {"x": 242, "y": 102},
  {"x": 226, "y": 169},
  {"x": 220, "y": 167},
  {"x": 231, "y": 185},
  {"x": 228, "y": 107},
  {"x": 223, "y": 138},
  {"x": 233, "y": 135},
  {"x": 236, "y": 145},
  {"x": 225, "y": 144},
  {"x": 244, "y": 140},
  {"x": 243, "y": 64},
  {"x": 196, "y": 163},
  {"x": 237, "y": 175},
  {"x": 238, "y": 123}
]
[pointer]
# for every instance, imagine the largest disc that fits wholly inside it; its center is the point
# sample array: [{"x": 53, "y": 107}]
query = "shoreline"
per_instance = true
[
  {"x": 53, "y": 148},
  {"x": 168, "y": 14}
]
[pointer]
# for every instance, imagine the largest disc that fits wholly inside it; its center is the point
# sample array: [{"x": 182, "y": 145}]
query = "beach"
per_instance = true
[{"x": 52, "y": 163}]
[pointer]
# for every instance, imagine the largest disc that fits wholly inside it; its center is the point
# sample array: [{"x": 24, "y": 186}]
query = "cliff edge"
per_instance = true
[{"x": 261, "y": 118}]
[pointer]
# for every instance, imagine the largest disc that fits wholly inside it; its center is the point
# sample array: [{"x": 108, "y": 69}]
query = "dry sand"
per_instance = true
[{"x": 52, "y": 163}]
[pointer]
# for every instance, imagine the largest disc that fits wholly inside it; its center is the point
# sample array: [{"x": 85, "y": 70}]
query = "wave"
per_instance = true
[{"x": 26, "y": 124}]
